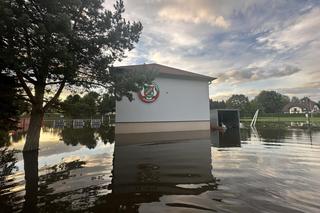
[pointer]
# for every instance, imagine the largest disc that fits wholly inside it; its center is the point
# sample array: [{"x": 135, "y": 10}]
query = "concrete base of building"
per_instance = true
[
  {"x": 175, "y": 126},
  {"x": 161, "y": 137}
]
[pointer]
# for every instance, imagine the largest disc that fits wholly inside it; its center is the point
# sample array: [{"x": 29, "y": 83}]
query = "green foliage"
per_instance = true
[
  {"x": 89, "y": 105},
  {"x": 107, "y": 104},
  {"x": 84, "y": 136},
  {"x": 271, "y": 101},
  {"x": 11, "y": 106},
  {"x": 55, "y": 44},
  {"x": 76, "y": 106},
  {"x": 266, "y": 101},
  {"x": 130, "y": 81},
  {"x": 295, "y": 99},
  {"x": 8, "y": 166},
  {"x": 107, "y": 134},
  {"x": 217, "y": 104},
  {"x": 250, "y": 109},
  {"x": 51, "y": 44},
  {"x": 8, "y": 104},
  {"x": 241, "y": 102},
  {"x": 237, "y": 102}
]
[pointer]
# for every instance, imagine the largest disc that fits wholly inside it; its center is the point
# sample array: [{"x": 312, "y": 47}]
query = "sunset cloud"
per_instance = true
[
  {"x": 194, "y": 16},
  {"x": 249, "y": 45}
]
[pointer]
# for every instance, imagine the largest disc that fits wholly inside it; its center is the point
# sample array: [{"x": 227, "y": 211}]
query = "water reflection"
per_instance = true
[
  {"x": 145, "y": 171},
  {"x": 228, "y": 138},
  {"x": 87, "y": 136},
  {"x": 84, "y": 136},
  {"x": 276, "y": 170},
  {"x": 278, "y": 133},
  {"x": 85, "y": 170},
  {"x": 8, "y": 167},
  {"x": 275, "y": 134}
]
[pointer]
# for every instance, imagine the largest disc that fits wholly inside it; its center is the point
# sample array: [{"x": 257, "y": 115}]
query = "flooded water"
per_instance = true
[{"x": 268, "y": 169}]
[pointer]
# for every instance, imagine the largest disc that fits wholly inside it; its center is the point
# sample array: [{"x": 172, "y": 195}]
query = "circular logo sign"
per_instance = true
[{"x": 149, "y": 93}]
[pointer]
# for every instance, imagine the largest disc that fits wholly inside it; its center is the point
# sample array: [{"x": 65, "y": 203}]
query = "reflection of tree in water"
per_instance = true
[
  {"x": 70, "y": 199},
  {"x": 107, "y": 134},
  {"x": 88, "y": 136},
  {"x": 47, "y": 189},
  {"x": 52, "y": 130},
  {"x": 274, "y": 134},
  {"x": 58, "y": 202},
  {"x": 18, "y": 135},
  {"x": 8, "y": 162},
  {"x": 40, "y": 188},
  {"x": 83, "y": 136},
  {"x": 245, "y": 134},
  {"x": 143, "y": 173}
]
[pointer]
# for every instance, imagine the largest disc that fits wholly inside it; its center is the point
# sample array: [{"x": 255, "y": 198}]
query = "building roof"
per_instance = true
[
  {"x": 167, "y": 71},
  {"x": 304, "y": 103}
]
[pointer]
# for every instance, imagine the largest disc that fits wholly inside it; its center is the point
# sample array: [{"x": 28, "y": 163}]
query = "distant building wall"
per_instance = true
[
  {"x": 293, "y": 110},
  {"x": 297, "y": 109}
]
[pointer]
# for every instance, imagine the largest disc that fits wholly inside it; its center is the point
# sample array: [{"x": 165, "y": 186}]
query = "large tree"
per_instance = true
[
  {"x": 8, "y": 107},
  {"x": 12, "y": 106},
  {"x": 107, "y": 104},
  {"x": 237, "y": 101},
  {"x": 76, "y": 106},
  {"x": 217, "y": 104},
  {"x": 271, "y": 101},
  {"x": 49, "y": 45},
  {"x": 8, "y": 103}
]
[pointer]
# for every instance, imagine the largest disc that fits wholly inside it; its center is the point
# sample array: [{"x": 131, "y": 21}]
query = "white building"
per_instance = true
[
  {"x": 305, "y": 105},
  {"x": 177, "y": 101}
]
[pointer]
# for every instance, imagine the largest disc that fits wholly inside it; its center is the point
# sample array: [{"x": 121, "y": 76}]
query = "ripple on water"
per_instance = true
[
  {"x": 283, "y": 179},
  {"x": 269, "y": 171}
]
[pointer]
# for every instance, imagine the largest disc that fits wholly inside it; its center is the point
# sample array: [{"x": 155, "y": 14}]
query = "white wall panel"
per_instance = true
[{"x": 179, "y": 100}]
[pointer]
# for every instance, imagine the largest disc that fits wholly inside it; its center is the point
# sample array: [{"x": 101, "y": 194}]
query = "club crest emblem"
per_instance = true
[{"x": 149, "y": 93}]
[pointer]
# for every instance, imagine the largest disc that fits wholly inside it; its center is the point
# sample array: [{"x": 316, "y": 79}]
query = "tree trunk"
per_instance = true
[
  {"x": 33, "y": 134},
  {"x": 37, "y": 113},
  {"x": 30, "y": 160}
]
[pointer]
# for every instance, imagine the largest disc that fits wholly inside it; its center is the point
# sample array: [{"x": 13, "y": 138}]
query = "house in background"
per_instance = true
[
  {"x": 304, "y": 105},
  {"x": 177, "y": 100}
]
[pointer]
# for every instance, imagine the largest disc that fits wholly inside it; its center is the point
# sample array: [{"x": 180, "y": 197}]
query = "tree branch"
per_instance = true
[
  {"x": 56, "y": 96},
  {"x": 31, "y": 80},
  {"x": 93, "y": 83},
  {"x": 25, "y": 86}
]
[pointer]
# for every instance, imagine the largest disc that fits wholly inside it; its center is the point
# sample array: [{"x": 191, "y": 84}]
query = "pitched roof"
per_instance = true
[
  {"x": 304, "y": 103},
  {"x": 167, "y": 71}
]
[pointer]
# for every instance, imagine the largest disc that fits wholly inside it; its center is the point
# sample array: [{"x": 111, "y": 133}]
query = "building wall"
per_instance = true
[
  {"x": 293, "y": 110},
  {"x": 175, "y": 126},
  {"x": 315, "y": 108},
  {"x": 179, "y": 100}
]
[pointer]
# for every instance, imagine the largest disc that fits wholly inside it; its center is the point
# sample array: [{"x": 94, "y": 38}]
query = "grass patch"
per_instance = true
[{"x": 282, "y": 119}]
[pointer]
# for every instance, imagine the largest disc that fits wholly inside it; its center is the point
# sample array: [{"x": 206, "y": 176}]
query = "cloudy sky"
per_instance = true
[{"x": 248, "y": 45}]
